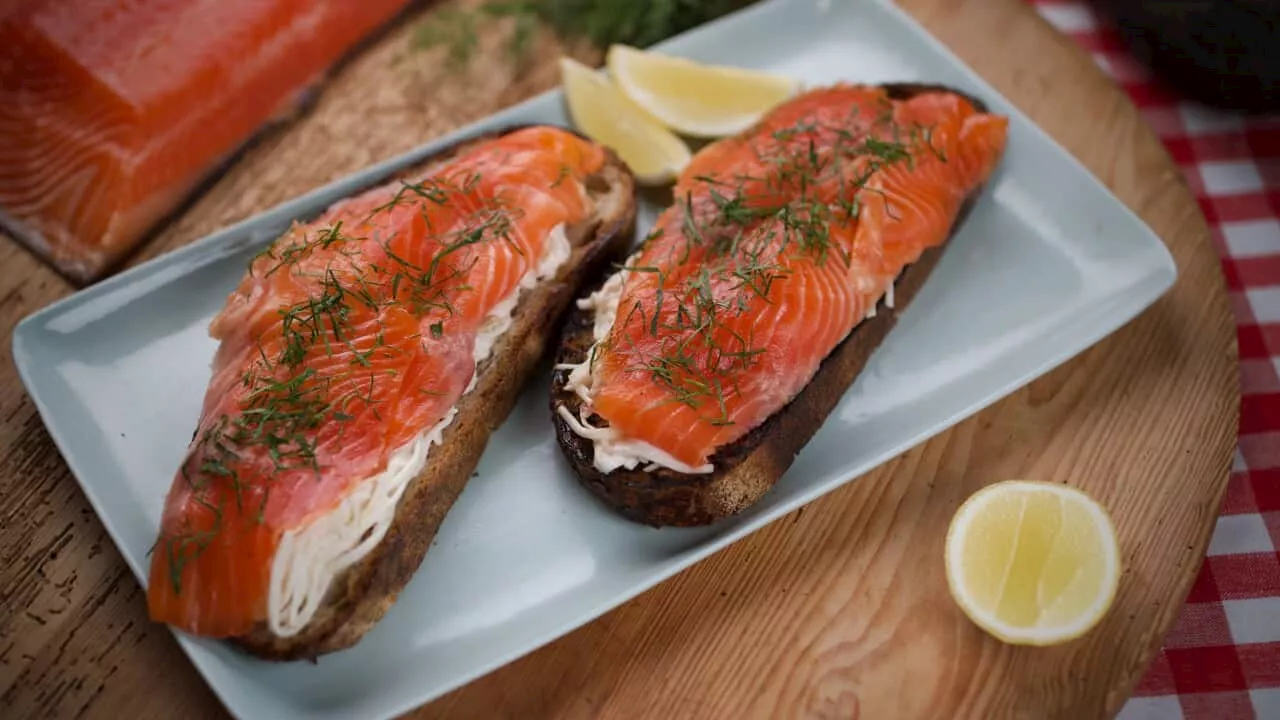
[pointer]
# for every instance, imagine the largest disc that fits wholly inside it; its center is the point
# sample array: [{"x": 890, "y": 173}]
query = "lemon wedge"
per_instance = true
[
  {"x": 703, "y": 101},
  {"x": 654, "y": 154},
  {"x": 1032, "y": 563}
]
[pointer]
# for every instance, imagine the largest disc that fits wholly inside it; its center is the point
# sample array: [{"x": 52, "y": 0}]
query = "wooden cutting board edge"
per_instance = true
[{"x": 782, "y": 623}]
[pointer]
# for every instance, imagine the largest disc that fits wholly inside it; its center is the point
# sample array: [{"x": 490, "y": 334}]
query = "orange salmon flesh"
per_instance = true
[
  {"x": 780, "y": 241},
  {"x": 347, "y": 338},
  {"x": 111, "y": 112}
]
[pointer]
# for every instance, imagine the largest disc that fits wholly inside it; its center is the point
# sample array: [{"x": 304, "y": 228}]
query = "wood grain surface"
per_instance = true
[{"x": 839, "y": 610}]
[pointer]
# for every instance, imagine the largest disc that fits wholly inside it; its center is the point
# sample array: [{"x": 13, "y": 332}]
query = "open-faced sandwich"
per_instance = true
[
  {"x": 364, "y": 360},
  {"x": 688, "y": 381}
]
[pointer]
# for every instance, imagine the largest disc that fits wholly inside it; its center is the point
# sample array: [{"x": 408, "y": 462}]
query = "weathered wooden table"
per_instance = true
[{"x": 838, "y": 611}]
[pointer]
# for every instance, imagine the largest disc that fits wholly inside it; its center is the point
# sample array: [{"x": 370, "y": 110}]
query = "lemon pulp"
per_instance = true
[
  {"x": 1031, "y": 562},
  {"x": 699, "y": 100},
  {"x": 654, "y": 154}
]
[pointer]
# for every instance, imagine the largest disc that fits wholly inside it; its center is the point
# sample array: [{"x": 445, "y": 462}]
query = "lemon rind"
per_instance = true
[{"x": 617, "y": 57}]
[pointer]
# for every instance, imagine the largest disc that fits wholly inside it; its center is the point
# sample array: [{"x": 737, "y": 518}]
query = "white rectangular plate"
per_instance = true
[{"x": 1048, "y": 264}]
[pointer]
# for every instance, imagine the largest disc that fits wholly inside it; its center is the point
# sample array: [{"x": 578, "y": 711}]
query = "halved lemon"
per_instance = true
[
  {"x": 704, "y": 101},
  {"x": 654, "y": 154},
  {"x": 1032, "y": 563}
]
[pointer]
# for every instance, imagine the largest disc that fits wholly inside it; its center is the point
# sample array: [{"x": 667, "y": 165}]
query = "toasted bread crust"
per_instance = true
[
  {"x": 749, "y": 467},
  {"x": 359, "y": 598}
]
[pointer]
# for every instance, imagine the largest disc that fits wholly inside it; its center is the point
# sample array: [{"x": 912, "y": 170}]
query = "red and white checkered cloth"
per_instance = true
[{"x": 1221, "y": 660}]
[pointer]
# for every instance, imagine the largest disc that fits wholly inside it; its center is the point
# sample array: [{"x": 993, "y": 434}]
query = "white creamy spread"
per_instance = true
[
  {"x": 310, "y": 557},
  {"x": 865, "y": 282},
  {"x": 610, "y": 449}
]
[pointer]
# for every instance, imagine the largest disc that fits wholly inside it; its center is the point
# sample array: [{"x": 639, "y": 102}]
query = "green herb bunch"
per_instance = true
[{"x": 639, "y": 23}]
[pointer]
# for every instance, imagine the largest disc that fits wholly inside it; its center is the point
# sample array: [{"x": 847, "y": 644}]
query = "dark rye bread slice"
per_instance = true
[
  {"x": 749, "y": 467},
  {"x": 363, "y": 593}
]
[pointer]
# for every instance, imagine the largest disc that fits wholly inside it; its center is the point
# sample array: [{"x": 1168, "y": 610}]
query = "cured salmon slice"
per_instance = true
[
  {"x": 780, "y": 242},
  {"x": 110, "y": 112},
  {"x": 344, "y": 353}
]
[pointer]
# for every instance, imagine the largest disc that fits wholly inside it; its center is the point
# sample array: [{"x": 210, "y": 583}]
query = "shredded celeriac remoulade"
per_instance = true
[
  {"x": 610, "y": 449},
  {"x": 308, "y": 558}
]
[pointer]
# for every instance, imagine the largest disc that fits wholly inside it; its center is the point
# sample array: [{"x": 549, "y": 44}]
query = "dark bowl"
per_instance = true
[{"x": 1224, "y": 53}]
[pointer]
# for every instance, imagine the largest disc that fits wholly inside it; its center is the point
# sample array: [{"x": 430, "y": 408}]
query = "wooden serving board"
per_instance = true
[{"x": 840, "y": 610}]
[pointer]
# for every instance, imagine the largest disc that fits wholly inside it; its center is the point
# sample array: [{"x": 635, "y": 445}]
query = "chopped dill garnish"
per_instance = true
[
  {"x": 320, "y": 361},
  {"x": 742, "y": 235}
]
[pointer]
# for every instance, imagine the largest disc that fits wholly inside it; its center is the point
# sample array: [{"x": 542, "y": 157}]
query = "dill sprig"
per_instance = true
[
  {"x": 453, "y": 28},
  {"x": 599, "y": 22}
]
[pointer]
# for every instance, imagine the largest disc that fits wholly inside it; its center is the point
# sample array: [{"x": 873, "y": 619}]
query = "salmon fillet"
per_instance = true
[
  {"x": 111, "y": 112},
  {"x": 349, "y": 337},
  {"x": 780, "y": 242}
]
